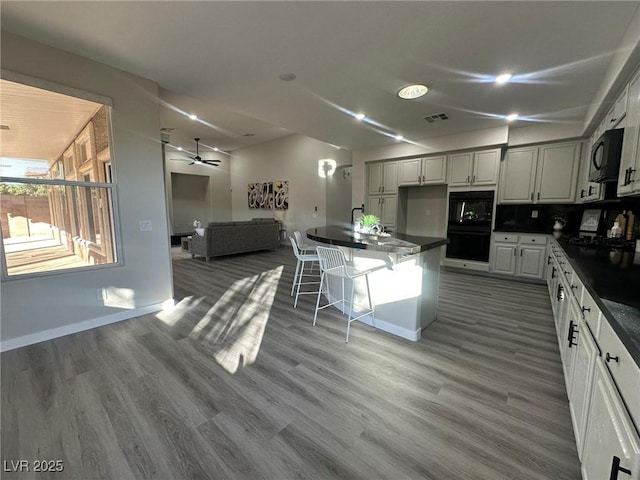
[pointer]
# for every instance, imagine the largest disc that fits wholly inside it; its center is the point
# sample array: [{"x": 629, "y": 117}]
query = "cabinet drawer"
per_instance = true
[
  {"x": 534, "y": 239},
  {"x": 505, "y": 237},
  {"x": 591, "y": 314},
  {"x": 624, "y": 370}
]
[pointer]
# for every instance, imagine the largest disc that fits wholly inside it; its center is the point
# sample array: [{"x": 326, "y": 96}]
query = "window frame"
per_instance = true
[{"x": 62, "y": 180}]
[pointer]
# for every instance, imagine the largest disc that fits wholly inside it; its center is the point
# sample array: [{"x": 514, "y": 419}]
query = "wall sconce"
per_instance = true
[{"x": 326, "y": 167}]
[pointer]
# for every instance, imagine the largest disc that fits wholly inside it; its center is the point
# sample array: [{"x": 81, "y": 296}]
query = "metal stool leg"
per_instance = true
[{"x": 295, "y": 277}]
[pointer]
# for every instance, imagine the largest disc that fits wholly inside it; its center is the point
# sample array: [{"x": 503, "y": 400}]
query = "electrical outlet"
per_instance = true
[
  {"x": 145, "y": 225},
  {"x": 314, "y": 215},
  {"x": 534, "y": 213},
  {"x": 427, "y": 212}
]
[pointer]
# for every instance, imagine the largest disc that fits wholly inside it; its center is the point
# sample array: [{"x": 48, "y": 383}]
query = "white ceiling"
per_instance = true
[{"x": 222, "y": 61}]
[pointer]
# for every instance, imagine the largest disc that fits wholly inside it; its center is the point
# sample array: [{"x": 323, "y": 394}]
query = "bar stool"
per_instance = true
[
  {"x": 297, "y": 277},
  {"x": 334, "y": 264}
]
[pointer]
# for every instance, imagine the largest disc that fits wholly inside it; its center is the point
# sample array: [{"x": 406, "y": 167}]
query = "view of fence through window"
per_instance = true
[{"x": 56, "y": 197}]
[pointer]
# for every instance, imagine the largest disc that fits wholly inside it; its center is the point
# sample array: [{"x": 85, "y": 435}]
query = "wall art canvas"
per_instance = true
[
  {"x": 281, "y": 194},
  {"x": 260, "y": 195}
]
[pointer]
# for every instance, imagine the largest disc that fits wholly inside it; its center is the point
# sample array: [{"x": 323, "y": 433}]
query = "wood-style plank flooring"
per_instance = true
[{"x": 236, "y": 384}]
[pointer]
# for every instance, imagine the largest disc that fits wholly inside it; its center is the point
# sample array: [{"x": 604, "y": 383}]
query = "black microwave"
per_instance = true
[{"x": 605, "y": 156}]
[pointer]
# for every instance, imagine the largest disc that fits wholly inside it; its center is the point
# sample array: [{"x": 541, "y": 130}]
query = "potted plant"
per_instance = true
[{"x": 370, "y": 224}]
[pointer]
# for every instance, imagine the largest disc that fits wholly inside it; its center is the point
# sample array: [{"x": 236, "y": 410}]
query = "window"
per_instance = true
[{"x": 56, "y": 193}]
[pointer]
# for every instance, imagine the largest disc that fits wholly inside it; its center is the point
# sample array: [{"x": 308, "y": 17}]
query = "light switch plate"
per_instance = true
[{"x": 145, "y": 225}]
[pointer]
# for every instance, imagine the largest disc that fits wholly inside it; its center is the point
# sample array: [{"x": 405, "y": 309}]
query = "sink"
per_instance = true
[{"x": 200, "y": 231}]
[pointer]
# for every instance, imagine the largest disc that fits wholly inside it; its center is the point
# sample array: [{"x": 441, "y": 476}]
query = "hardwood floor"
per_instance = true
[{"x": 235, "y": 383}]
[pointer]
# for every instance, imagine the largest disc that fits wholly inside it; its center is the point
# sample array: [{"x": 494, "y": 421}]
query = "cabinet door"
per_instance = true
[
  {"x": 611, "y": 442},
  {"x": 375, "y": 179},
  {"x": 374, "y": 205},
  {"x": 580, "y": 393},
  {"x": 410, "y": 172},
  {"x": 434, "y": 170},
  {"x": 504, "y": 258},
  {"x": 558, "y": 173},
  {"x": 518, "y": 176},
  {"x": 460, "y": 169},
  {"x": 630, "y": 145},
  {"x": 390, "y": 177},
  {"x": 531, "y": 261},
  {"x": 388, "y": 212},
  {"x": 485, "y": 168}
]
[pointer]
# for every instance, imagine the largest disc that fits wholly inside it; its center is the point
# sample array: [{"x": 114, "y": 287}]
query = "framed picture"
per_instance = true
[
  {"x": 281, "y": 194},
  {"x": 590, "y": 220}
]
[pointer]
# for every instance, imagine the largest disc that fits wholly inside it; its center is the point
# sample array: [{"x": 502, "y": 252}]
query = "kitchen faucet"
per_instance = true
[{"x": 353, "y": 211}]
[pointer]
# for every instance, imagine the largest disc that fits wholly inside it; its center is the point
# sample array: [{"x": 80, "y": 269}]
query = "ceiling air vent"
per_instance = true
[{"x": 435, "y": 117}]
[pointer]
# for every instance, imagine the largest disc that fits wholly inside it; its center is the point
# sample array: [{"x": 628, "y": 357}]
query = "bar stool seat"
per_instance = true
[
  {"x": 334, "y": 264},
  {"x": 302, "y": 257}
]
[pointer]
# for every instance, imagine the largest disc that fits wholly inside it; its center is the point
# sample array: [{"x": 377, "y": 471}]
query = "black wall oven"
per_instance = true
[{"x": 469, "y": 225}]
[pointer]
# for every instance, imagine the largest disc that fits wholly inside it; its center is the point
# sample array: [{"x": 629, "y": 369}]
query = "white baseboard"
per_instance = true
[
  {"x": 52, "y": 333},
  {"x": 391, "y": 328}
]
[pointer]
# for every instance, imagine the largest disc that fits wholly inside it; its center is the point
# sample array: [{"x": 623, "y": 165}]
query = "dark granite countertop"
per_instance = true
[
  {"x": 613, "y": 280},
  {"x": 395, "y": 243}
]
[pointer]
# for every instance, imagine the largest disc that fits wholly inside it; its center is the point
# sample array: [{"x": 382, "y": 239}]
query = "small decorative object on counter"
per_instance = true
[
  {"x": 369, "y": 224},
  {"x": 560, "y": 220},
  {"x": 616, "y": 231}
]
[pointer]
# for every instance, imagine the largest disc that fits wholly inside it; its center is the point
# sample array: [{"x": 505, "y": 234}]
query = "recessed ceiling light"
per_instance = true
[
  {"x": 193, "y": 117},
  {"x": 180, "y": 149},
  {"x": 412, "y": 91},
  {"x": 512, "y": 117},
  {"x": 399, "y": 137},
  {"x": 504, "y": 78},
  {"x": 216, "y": 149},
  {"x": 288, "y": 77},
  {"x": 359, "y": 116}
]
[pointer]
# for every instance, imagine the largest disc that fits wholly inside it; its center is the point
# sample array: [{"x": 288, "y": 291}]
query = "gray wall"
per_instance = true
[
  {"x": 216, "y": 204},
  {"x": 31, "y": 306},
  {"x": 293, "y": 158},
  {"x": 189, "y": 200}
]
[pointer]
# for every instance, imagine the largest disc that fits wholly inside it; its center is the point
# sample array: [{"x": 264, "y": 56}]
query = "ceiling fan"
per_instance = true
[{"x": 197, "y": 160}]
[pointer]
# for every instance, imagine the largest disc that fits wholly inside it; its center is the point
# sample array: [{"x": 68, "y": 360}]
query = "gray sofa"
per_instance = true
[{"x": 227, "y": 238}]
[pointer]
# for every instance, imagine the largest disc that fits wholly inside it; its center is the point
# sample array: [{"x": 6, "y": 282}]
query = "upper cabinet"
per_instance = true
[
  {"x": 474, "y": 169},
  {"x": 542, "y": 174},
  {"x": 629, "y": 178},
  {"x": 422, "y": 171},
  {"x": 383, "y": 178}
]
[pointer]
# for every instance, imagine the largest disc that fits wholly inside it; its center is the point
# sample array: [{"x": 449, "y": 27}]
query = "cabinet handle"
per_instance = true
[
  {"x": 383, "y": 200},
  {"x": 538, "y": 195},
  {"x": 383, "y": 189},
  {"x": 585, "y": 309},
  {"x": 613, "y": 120},
  {"x": 609, "y": 358},
  {"x": 468, "y": 179},
  {"x": 379, "y": 189},
  {"x": 589, "y": 192},
  {"x": 553, "y": 272},
  {"x": 423, "y": 179},
  {"x": 573, "y": 287},
  {"x": 615, "y": 468},
  {"x": 532, "y": 196},
  {"x": 572, "y": 331},
  {"x": 566, "y": 273},
  {"x": 549, "y": 260},
  {"x": 520, "y": 252},
  {"x": 419, "y": 181},
  {"x": 631, "y": 170},
  {"x": 582, "y": 193},
  {"x": 474, "y": 179},
  {"x": 514, "y": 251}
]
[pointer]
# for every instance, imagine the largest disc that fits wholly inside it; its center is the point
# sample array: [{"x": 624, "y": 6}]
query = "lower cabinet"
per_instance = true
[
  {"x": 584, "y": 361},
  {"x": 611, "y": 446},
  {"x": 522, "y": 255},
  {"x": 603, "y": 381}
]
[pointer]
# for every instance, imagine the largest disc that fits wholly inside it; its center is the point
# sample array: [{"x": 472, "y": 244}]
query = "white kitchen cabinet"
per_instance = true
[
  {"x": 504, "y": 258},
  {"x": 422, "y": 171},
  {"x": 474, "y": 169},
  {"x": 629, "y": 176},
  {"x": 586, "y": 354},
  {"x": 522, "y": 255},
  {"x": 611, "y": 446},
  {"x": 382, "y": 178},
  {"x": 384, "y": 207},
  {"x": 617, "y": 112},
  {"x": 543, "y": 174},
  {"x": 531, "y": 260}
]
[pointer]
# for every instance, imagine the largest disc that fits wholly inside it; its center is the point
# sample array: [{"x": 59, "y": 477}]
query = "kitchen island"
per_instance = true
[{"x": 405, "y": 279}]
